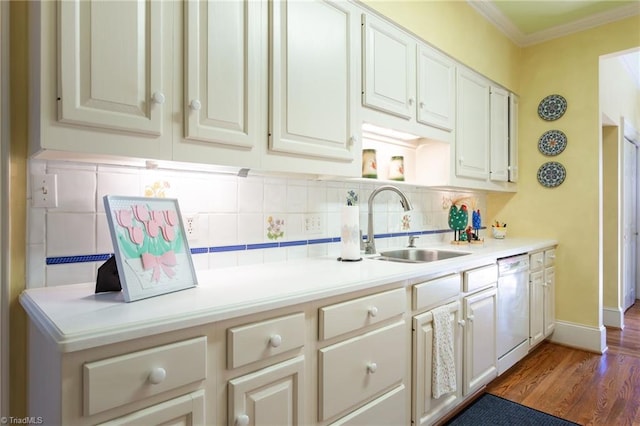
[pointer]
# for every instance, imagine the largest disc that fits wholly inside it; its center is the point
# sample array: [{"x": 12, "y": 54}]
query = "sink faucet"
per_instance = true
[{"x": 369, "y": 244}]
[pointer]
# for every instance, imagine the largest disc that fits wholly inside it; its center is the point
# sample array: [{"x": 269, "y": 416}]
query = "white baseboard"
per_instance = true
[
  {"x": 613, "y": 317},
  {"x": 592, "y": 339}
]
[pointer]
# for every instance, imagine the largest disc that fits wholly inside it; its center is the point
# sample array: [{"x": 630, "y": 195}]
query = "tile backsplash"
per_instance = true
[{"x": 230, "y": 220}]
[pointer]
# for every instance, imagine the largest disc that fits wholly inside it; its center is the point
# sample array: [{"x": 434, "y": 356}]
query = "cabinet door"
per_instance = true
[
  {"x": 271, "y": 396},
  {"x": 224, "y": 67},
  {"x": 513, "y": 137},
  {"x": 499, "y": 135},
  {"x": 111, "y": 63},
  {"x": 536, "y": 308},
  {"x": 389, "y": 68},
  {"x": 186, "y": 410},
  {"x": 426, "y": 408},
  {"x": 314, "y": 90},
  {"x": 480, "y": 359},
  {"x": 549, "y": 300},
  {"x": 436, "y": 89},
  {"x": 472, "y": 136}
]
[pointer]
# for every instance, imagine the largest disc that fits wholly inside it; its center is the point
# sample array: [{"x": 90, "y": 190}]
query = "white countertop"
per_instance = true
[{"x": 75, "y": 318}]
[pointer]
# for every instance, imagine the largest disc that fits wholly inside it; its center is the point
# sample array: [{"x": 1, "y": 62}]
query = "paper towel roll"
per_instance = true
[{"x": 350, "y": 233}]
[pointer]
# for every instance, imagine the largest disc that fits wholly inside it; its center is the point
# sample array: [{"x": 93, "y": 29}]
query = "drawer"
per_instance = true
[
  {"x": 536, "y": 261},
  {"x": 434, "y": 292},
  {"x": 549, "y": 257},
  {"x": 389, "y": 409},
  {"x": 358, "y": 313},
  {"x": 477, "y": 278},
  {"x": 127, "y": 378},
  {"x": 261, "y": 340},
  {"x": 353, "y": 371}
]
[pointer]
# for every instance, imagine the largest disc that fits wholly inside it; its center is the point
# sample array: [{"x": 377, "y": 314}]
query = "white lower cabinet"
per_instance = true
[
  {"x": 271, "y": 396},
  {"x": 542, "y": 296},
  {"x": 480, "y": 358},
  {"x": 536, "y": 308},
  {"x": 549, "y": 320},
  {"x": 347, "y": 360},
  {"x": 357, "y": 369},
  {"x": 426, "y": 408},
  {"x": 188, "y": 410},
  {"x": 388, "y": 410}
]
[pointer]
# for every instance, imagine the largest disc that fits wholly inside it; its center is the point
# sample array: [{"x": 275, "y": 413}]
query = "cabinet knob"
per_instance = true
[
  {"x": 372, "y": 367},
  {"x": 275, "y": 341},
  {"x": 421, "y": 105},
  {"x": 373, "y": 311},
  {"x": 410, "y": 101},
  {"x": 157, "y": 375},
  {"x": 461, "y": 160},
  {"x": 461, "y": 323},
  {"x": 158, "y": 98},
  {"x": 352, "y": 140},
  {"x": 470, "y": 318},
  {"x": 242, "y": 420},
  {"x": 195, "y": 105},
  {"x": 540, "y": 261},
  {"x": 552, "y": 256}
]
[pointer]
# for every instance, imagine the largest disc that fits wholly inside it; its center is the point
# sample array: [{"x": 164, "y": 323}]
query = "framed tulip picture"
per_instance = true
[{"x": 150, "y": 246}]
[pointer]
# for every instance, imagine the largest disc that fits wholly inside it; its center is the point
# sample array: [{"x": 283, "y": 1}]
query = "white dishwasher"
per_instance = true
[{"x": 513, "y": 310}]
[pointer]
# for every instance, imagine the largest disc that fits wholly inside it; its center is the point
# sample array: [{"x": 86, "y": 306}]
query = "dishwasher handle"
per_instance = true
[{"x": 513, "y": 266}]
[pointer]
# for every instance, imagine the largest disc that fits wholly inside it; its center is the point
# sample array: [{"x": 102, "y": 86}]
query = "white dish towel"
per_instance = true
[{"x": 443, "y": 377}]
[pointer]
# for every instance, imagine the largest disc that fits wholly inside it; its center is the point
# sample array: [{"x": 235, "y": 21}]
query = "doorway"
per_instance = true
[{"x": 629, "y": 220}]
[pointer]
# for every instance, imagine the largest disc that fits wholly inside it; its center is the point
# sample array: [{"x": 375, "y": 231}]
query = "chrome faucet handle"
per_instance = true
[{"x": 412, "y": 241}]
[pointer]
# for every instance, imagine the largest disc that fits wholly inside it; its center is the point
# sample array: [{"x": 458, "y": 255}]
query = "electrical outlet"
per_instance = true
[
  {"x": 44, "y": 191},
  {"x": 191, "y": 227},
  {"x": 312, "y": 224}
]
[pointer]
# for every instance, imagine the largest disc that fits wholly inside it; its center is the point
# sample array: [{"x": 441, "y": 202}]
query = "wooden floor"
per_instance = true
[{"x": 579, "y": 386}]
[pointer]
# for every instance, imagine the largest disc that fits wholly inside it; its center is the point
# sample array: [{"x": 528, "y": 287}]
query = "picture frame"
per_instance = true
[{"x": 150, "y": 246}]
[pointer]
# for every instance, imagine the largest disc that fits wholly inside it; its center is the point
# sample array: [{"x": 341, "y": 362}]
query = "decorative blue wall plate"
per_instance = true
[
  {"x": 552, "y": 107},
  {"x": 551, "y": 174},
  {"x": 552, "y": 142}
]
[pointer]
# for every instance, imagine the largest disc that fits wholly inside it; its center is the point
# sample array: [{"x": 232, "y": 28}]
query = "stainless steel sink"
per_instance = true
[{"x": 418, "y": 255}]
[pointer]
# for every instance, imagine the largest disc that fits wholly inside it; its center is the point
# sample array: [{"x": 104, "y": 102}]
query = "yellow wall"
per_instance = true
[
  {"x": 18, "y": 215},
  {"x": 570, "y": 212},
  {"x": 457, "y": 29}
]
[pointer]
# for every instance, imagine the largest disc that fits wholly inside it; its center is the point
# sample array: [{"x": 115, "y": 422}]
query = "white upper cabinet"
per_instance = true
[
  {"x": 513, "y": 137},
  {"x": 436, "y": 89},
  {"x": 472, "y": 136},
  {"x": 101, "y": 80},
  {"x": 314, "y": 90},
  {"x": 499, "y": 135},
  {"x": 111, "y": 60},
  {"x": 389, "y": 68},
  {"x": 223, "y": 78}
]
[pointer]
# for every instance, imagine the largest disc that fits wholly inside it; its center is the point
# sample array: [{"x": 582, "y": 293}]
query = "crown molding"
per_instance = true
[{"x": 491, "y": 13}]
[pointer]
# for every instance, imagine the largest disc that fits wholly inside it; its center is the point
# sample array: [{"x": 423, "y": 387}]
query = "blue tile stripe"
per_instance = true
[{"x": 242, "y": 247}]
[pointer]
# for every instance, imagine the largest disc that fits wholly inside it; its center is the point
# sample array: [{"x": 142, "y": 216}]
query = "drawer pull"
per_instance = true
[
  {"x": 372, "y": 367},
  {"x": 242, "y": 420},
  {"x": 275, "y": 341},
  {"x": 157, "y": 375},
  {"x": 373, "y": 311}
]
